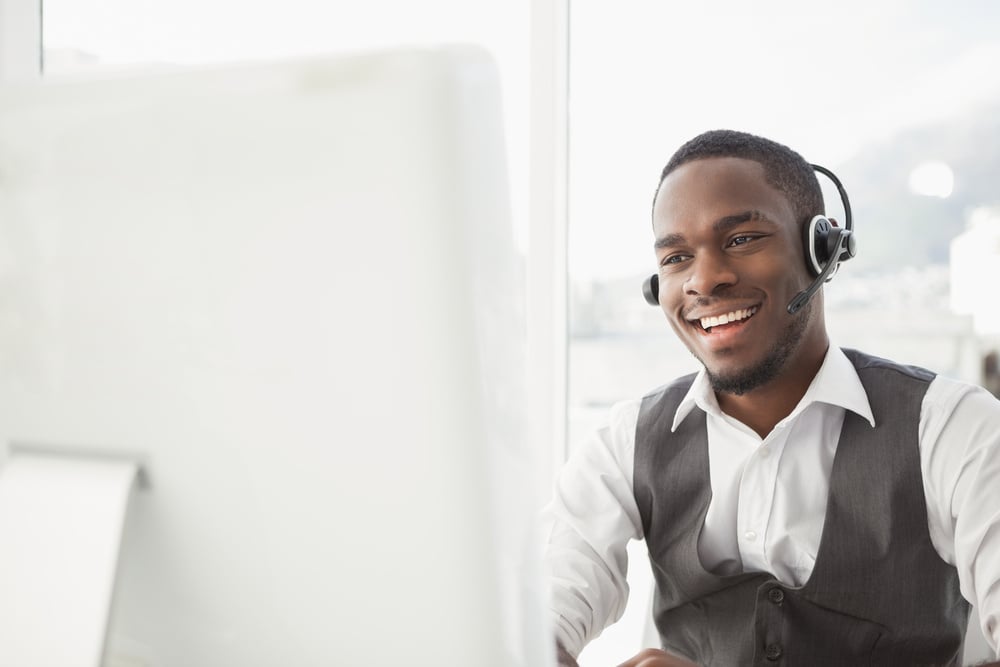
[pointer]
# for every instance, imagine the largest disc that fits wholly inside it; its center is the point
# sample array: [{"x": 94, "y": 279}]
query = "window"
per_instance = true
[{"x": 899, "y": 99}]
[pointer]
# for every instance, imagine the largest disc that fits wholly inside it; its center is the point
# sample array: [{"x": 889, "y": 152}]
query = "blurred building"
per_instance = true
[{"x": 975, "y": 269}]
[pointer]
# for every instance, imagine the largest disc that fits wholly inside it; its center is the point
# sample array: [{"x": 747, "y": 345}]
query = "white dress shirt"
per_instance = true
[{"x": 769, "y": 500}]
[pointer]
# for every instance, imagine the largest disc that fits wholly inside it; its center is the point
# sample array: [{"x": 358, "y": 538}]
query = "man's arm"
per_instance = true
[
  {"x": 592, "y": 517},
  {"x": 960, "y": 457},
  {"x": 563, "y": 657}
]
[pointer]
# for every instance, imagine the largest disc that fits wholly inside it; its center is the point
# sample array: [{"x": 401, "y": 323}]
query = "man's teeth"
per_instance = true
[{"x": 735, "y": 316}]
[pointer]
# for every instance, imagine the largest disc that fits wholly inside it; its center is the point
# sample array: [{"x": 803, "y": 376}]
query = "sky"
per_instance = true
[{"x": 826, "y": 79}]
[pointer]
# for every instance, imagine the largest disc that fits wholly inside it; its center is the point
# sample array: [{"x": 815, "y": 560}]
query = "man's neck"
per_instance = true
[{"x": 762, "y": 408}]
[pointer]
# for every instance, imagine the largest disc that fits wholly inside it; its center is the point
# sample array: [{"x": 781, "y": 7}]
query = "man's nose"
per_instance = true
[{"x": 709, "y": 273}]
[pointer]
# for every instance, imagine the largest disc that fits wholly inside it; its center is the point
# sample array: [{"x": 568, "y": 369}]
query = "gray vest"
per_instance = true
[{"x": 879, "y": 594}]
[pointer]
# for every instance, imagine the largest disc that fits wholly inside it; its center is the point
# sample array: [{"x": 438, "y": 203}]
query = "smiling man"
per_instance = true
[{"x": 801, "y": 504}]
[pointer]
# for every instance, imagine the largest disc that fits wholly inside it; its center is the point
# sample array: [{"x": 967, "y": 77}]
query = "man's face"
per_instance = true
[{"x": 730, "y": 259}]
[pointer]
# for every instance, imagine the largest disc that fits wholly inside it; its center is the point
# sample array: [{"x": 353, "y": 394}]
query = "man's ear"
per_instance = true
[{"x": 833, "y": 221}]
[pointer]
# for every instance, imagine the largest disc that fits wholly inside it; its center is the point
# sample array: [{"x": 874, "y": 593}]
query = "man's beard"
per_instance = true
[{"x": 742, "y": 380}]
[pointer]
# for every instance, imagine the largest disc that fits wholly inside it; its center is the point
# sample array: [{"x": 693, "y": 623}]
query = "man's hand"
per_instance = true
[{"x": 652, "y": 657}]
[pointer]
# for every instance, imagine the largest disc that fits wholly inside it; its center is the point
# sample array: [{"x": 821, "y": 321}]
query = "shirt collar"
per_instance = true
[{"x": 836, "y": 383}]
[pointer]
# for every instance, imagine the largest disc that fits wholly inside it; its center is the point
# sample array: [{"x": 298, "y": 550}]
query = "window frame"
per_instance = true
[{"x": 547, "y": 280}]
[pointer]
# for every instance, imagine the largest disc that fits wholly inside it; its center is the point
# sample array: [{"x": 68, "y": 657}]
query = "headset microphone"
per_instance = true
[
  {"x": 825, "y": 246},
  {"x": 844, "y": 248}
]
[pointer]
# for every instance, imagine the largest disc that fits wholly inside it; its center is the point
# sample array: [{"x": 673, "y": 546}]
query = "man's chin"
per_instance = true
[
  {"x": 739, "y": 381},
  {"x": 742, "y": 380}
]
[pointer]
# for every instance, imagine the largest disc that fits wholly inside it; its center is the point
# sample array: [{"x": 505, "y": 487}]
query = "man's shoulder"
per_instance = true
[
  {"x": 866, "y": 363},
  {"x": 940, "y": 394}
]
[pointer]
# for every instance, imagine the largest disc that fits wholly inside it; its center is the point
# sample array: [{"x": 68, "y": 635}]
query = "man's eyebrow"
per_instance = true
[
  {"x": 728, "y": 222},
  {"x": 720, "y": 226},
  {"x": 669, "y": 241}
]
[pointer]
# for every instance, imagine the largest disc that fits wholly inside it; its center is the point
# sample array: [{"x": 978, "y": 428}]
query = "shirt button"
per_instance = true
[
  {"x": 772, "y": 652},
  {"x": 764, "y": 452},
  {"x": 776, "y": 595},
  {"x": 750, "y": 536}
]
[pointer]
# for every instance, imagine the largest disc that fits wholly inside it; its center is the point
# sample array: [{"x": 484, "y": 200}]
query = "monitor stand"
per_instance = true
[{"x": 61, "y": 521}]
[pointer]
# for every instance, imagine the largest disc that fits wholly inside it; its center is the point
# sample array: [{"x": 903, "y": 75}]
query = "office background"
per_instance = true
[{"x": 899, "y": 98}]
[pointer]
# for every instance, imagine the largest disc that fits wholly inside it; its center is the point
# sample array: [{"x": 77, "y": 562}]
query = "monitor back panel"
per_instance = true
[{"x": 267, "y": 282}]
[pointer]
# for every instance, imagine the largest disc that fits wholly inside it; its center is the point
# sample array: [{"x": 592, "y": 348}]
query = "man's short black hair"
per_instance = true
[{"x": 784, "y": 169}]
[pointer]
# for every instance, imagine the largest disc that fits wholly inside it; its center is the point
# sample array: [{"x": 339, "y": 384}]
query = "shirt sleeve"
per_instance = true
[
  {"x": 591, "y": 518},
  {"x": 960, "y": 457}
]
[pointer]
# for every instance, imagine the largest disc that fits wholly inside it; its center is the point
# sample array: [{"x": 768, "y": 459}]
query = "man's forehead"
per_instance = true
[
  {"x": 710, "y": 171},
  {"x": 719, "y": 186}
]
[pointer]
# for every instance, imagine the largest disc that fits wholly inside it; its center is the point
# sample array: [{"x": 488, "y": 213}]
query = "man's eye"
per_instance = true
[
  {"x": 743, "y": 240},
  {"x": 673, "y": 259}
]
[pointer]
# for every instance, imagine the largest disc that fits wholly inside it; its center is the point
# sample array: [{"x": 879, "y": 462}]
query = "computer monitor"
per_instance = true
[{"x": 290, "y": 292}]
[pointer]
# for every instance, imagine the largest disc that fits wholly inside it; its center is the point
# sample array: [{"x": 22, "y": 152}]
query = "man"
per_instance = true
[{"x": 802, "y": 505}]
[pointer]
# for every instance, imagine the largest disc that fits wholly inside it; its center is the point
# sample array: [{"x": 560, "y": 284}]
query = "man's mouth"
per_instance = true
[{"x": 725, "y": 319}]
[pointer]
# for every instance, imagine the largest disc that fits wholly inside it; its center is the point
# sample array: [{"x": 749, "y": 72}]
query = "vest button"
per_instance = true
[
  {"x": 776, "y": 595},
  {"x": 772, "y": 652}
]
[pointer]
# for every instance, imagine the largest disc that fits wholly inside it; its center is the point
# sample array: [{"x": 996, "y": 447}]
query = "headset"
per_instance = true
[{"x": 826, "y": 246}]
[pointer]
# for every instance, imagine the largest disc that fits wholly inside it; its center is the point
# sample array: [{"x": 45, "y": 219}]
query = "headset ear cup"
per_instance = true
[
  {"x": 814, "y": 240},
  {"x": 651, "y": 290}
]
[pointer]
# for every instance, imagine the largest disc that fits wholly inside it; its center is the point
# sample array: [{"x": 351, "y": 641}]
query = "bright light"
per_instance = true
[{"x": 932, "y": 178}]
